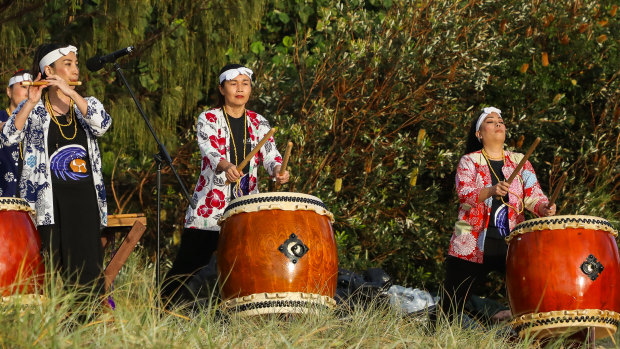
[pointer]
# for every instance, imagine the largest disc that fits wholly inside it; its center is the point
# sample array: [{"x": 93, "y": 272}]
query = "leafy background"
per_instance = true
[{"x": 377, "y": 97}]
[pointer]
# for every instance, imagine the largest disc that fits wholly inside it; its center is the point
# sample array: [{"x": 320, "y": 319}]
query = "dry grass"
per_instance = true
[{"x": 62, "y": 321}]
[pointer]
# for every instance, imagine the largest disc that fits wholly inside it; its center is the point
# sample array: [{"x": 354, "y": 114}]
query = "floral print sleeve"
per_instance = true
[
  {"x": 534, "y": 198},
  {"x": 211, "y": 141},
  {"x": 268, "y": 154},
  {"x": 210, "y": 193},
  {"x": 467, "y": 188},
  {"x": 10, "y": 135},
  {"x": 96, "y": 120}
]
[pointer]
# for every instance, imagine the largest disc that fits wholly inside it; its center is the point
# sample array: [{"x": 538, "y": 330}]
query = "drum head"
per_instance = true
[
  {"x": 15, "y": 204},
  {"x": 276, "y": 201},
  {"x": 562, "y": 222}
]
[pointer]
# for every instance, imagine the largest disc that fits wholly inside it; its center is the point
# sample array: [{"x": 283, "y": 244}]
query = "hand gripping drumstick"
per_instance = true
[
  {"x": 43, "y": 82},
  {"x": 254, "y": 151},
  {"x": 287, "y": 154},
  {"x": 520, "y": 165},
  {"x": 558, "y": 188}
]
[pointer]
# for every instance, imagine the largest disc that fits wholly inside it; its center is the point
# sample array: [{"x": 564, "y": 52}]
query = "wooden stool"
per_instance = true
[{"x": 119, "y": 223}]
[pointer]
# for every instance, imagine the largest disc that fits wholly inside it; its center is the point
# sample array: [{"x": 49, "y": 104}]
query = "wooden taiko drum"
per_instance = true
[
  {"x": 276, "y": 254},
  {"x": 21, "y": 265},
  {"x": 563, "y": 276}
]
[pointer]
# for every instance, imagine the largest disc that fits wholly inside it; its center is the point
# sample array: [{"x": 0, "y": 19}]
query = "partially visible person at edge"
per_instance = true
[
  {"x": 489, "y": 209},
  {"x": 226, "y": 135},
  {"x": 61, "y": 177},
  {"x": 10, "y": 156}
]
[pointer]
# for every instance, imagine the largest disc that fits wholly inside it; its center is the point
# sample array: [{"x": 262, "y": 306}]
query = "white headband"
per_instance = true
[
  {"x": 54, "y": 55},
  {"x": 485, "y": 112},
  {"x": 20, "y": 78},
  {"x": 234, "y": 72}
]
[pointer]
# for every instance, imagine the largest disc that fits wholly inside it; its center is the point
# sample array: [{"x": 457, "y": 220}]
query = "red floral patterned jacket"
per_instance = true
[
  {"x": 211, "y": 194},
  {"x": 472, "y": 175}
]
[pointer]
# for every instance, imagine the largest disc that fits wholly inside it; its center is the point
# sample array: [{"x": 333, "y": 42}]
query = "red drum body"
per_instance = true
[
  {"x": 563, "y": 276},
  {"x": 277, "y": 254},
  {"x": 21, "y": 265}
]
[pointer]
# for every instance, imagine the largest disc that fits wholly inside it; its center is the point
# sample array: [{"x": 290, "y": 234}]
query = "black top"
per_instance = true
[
  {"x": 69, "y": 160},
  {"x": 240, "y": 136},
  {"x": 498, "y": 220},
  {"x": 74, "y": 238}
]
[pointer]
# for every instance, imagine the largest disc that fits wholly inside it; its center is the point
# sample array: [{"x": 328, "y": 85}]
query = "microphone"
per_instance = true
[{"x": 97, "y": 62}]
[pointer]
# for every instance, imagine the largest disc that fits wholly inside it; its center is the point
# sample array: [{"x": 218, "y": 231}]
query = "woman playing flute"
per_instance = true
[{"x": 61, "y": 176}]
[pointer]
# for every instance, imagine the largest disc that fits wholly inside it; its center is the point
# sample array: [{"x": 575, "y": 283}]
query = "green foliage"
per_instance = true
[{"x": 380, "y": 95}]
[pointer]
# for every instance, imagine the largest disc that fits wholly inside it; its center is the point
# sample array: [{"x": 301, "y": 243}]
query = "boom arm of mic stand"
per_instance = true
[{"x": 163, "y": 153}]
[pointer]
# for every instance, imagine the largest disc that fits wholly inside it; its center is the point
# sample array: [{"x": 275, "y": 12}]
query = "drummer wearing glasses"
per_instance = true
[{"x": 489, "y": 209}]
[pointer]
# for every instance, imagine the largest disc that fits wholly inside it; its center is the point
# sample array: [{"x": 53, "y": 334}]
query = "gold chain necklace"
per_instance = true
[
  {"x": 238, "y": 191},
  {"x": 484, "y": 153},
  {"x": 54, "y": 118}
]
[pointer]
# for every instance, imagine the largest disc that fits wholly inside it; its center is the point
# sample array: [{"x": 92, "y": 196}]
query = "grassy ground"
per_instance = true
[{"x": 65, "y": 320}]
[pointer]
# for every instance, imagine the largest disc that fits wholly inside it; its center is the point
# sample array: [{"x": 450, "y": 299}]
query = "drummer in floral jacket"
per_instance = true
[
  {"x": 211, "y": 194},
  {"x": 489, "y": 207},
  {"x": 226, "y": 135}
]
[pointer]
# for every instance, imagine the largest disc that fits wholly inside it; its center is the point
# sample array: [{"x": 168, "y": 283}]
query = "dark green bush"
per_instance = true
[{"x": 380, "y": 97}]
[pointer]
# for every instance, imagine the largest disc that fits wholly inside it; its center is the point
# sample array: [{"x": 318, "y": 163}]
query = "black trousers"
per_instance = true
[
  {"x": 464, "y": 277},
  {"x": 197, "y": 247},
  {"x": 73, "y": 243}
]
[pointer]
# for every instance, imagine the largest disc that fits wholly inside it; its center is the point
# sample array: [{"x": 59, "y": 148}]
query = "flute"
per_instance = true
[{"x": 43, "y": 82}]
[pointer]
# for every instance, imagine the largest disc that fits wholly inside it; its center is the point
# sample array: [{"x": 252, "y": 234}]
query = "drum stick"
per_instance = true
[
  {"x": 254, "y": 151},
  {"x": 558, "y": 188},
  {"x": 287, "y": 154},
  {"x": 43, "y": 83},
  {"x": 520, "y": 165}
]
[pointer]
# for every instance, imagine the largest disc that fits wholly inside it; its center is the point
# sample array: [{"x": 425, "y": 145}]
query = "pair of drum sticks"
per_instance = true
[
  {"x": 558, "y": 188},
  {"x": 260, "y": 144}
]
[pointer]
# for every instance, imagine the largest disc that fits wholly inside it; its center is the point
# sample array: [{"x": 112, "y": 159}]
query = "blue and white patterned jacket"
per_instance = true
[{"x": 35, "y": 185}]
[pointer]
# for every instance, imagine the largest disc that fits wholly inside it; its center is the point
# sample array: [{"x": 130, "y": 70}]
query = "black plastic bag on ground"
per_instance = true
[{"x": 362, "y": 290}]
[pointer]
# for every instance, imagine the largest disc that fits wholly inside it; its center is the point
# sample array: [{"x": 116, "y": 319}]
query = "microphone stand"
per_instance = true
[{"x": 161, "y": 158}]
